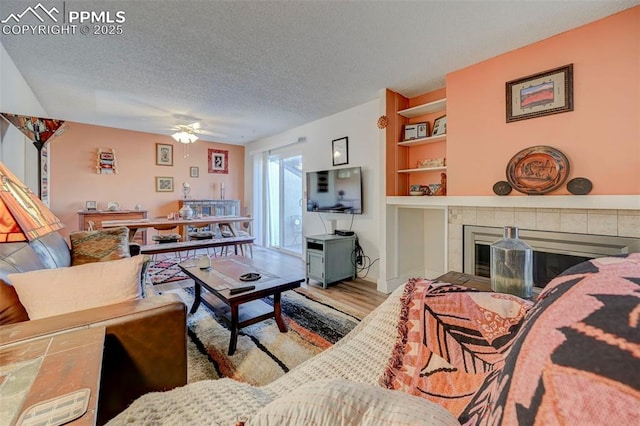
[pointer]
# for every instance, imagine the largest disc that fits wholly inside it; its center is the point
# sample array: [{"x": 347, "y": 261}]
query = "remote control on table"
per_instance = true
[{"x": 241, "y": 289}]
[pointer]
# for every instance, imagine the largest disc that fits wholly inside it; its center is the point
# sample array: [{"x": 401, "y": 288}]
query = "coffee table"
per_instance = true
[{"x": 242, "y": 309}]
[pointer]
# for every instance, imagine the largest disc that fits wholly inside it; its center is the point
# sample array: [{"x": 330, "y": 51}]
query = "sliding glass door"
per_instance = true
[{"x": 285, "y": 201}]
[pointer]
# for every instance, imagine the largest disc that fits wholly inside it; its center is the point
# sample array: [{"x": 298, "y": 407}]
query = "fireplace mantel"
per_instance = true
[{"x": 604, "y": 202}]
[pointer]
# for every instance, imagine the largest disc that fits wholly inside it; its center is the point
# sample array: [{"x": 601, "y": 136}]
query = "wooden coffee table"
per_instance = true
[{"x": 242, "y": 309}]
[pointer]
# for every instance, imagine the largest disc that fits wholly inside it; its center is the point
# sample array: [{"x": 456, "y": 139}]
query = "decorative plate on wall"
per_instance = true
[{"x": 537, "y": 170}]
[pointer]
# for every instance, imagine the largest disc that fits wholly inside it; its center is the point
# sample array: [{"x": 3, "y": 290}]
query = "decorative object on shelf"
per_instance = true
[
  {"x": 579, "y": 186},
  {"x": 222, "y": 194},
  {"x": 113, "y": 206},
  {"x": 383, "y": 122},
  {"x": 545, "y": 93},
  {"x": 186, "y": 190},
  {"x": 137, "y": 207},
  {"x": 164, "y": 154},
  {"x": 423, "y": 130},
  {"x": 91, "y": 205},
  {"x": 164, "y": 184},
  {"x": 440, "y": 126},
  {"x": 434, "y": 188},
  {"x": 432, "y": 162},
  {"x": 194, "y": 171},
  {"x": 418, "y": 190},
  {"x": 340, "y": 149},
  {"x": 106, "y": 164},
  {"x": 410, "y": 132},
  {"x": 218, "y": 161},
  {"x": 186, "y": 212},
  {"x": 512, "y": 265},
  {"x": 502, "y": 188},
  {"x": 443, "y": 184},
  {"x": 537, "y": 170}
]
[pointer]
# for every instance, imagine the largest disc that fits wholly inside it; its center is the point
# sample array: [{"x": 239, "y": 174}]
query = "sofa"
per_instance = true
[
  {"x": 438, "y": 353},
  {"x": 145, "y": 342}
]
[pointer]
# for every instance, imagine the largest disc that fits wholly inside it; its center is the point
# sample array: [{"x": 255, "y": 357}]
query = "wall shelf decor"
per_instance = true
[{"x": 106, "y": 163}]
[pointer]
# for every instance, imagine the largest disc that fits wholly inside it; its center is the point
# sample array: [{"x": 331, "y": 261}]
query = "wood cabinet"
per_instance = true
[
  {"x": 405, "y": 158},
  {"x": 86, "y": 217}
]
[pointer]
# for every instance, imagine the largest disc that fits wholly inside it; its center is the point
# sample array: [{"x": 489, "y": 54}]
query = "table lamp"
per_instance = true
[{"x": 23, "y": 216}]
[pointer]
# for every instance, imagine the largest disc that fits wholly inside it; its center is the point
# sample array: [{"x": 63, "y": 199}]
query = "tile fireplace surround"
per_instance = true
[{"x": 441, "y": 221}]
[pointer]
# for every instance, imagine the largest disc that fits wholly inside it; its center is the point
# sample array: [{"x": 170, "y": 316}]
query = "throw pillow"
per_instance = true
[
  {"x": 99, "y": 246},
  {"x": 343, "y": 402},
  {"x": 49, "y": 292},
  {"x": 11, "y": 310}
]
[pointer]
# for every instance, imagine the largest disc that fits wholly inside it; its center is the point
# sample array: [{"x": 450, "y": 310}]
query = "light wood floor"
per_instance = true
[{"x": 359, "y": 295}]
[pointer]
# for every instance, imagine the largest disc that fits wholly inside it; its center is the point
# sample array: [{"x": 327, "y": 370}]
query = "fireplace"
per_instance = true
[{"x": 553, "y": 252}]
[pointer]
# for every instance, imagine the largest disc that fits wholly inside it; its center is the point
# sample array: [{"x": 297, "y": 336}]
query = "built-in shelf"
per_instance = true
[
  {"x": 424, "y": 141},
  {"x": 435, "y": 106},
  {"x": 423, "y": 169}
]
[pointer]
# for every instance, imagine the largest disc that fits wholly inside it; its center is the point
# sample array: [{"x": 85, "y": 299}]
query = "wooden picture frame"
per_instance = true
[
  {"x": 545, "y": 93},
  {"x": 422, "y": 130},
  {"x": 340, "y": 151},
  {"x": 91, "y": 205},
  {"x": 440, "y": 126},
  {"x": 164, "y": 184},
  {"x": 194, "y": 171},
  {"x": 218, "y": 161},
  {"x": 410, "y": 132},
  {"x": 164, "y": 154}
]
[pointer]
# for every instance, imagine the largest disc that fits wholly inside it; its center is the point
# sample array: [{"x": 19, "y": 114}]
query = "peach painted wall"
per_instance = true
[
  {"x": 74, "y": 179},
  {"x": 601, "y": 137}
]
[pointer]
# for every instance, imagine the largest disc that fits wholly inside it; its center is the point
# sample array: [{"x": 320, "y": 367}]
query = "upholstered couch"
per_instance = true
[
  {"x": 437, "y": 353},
  {"x": 145, "y": 342}
]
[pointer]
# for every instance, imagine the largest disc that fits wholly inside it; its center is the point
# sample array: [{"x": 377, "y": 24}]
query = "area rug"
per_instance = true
[
  {"x": 263, "y": 353},
  {"x": 165, "y": 270}
]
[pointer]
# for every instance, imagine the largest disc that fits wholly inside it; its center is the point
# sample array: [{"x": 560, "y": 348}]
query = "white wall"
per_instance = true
[
  {"x": 359, "y": 125},
  {"x": 16, "y": 97}
]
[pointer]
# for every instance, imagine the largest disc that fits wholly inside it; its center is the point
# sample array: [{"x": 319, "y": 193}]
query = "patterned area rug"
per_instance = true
[
  {"x": 165, "y": 270},
  {"x": 263, "y": 353}
]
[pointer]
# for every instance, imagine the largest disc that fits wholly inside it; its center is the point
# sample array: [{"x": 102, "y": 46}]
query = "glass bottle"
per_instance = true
[{"x": 512, "y": 265}]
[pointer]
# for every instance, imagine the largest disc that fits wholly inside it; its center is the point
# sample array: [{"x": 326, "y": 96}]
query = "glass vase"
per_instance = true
[{"x": 512, "y": 265}]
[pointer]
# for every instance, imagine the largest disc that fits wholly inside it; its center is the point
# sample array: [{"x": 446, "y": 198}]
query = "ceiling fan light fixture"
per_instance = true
[{"x": 184, "y": 137}]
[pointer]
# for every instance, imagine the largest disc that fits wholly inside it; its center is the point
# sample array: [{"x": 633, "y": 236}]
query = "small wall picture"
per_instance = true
[
  {"x": 340, "y": 151},
  {"x": 164, "y": 154},
  {"x": 422, "y": 130},
  {"x": 440, "y": 126},
  {"x": 91, "y": 205},
  {"x": 218, "y": 161},
  {"x": 194, "y": 171},
  {"x": 164, "y": 184}
]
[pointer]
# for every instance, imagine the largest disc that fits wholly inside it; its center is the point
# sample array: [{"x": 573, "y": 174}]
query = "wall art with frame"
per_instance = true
[
  {"x": 340, "y": 151},
  {"x": 164, "y": 184},
  {"x": 545, "y": 93},
  {"x": 164, "y": 154},
  {"x": 194, "y": 171},
  {"x": 218, "y": 161}
]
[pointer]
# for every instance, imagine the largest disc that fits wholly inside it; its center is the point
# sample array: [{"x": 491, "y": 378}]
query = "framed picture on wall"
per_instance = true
[
  {"x": 545, "y": 93},
  {"x": 218, "y": 161},
  {"x": 194, "y": 171},
  {"x": 164, "y": 154},
  {"x": 164, "y": 184},
  {"x": 340, "y": 151}
]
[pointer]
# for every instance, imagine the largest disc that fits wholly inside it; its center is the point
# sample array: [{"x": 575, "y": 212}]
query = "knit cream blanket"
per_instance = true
[{"x": 361, "y": 356}]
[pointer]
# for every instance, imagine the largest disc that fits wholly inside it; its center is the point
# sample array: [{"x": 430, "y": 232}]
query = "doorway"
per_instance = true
[{"x": 285, "y": 202}]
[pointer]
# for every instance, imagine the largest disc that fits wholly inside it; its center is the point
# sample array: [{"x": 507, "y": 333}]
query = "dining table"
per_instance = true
[{"x": 166, "y": 223}]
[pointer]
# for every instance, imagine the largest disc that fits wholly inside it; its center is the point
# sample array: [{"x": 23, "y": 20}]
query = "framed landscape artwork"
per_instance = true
[
  {"x": 218, "y": 161},
  {"x": 545, "y": 93}
]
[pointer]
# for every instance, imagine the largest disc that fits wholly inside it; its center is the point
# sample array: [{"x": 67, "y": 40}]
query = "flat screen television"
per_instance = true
[{"x": 335, "y": 191}]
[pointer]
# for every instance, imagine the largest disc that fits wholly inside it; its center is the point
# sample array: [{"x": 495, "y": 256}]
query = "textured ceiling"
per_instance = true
[{"x": 251, "y": 69}]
